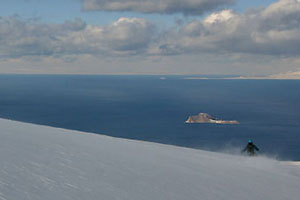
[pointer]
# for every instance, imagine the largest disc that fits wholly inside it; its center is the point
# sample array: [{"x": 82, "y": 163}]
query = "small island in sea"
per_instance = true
[{"x": 206, "y": 118}]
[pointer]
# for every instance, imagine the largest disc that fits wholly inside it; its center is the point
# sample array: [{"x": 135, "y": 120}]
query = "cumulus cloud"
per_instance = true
[
  {"x": 30, "y": 38},
  {"x": 187, "y": 7},
  {"x": 274, "y": 30}
]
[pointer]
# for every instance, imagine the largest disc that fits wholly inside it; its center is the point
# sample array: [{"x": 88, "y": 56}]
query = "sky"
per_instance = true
[{"x": 229, "y": 37}]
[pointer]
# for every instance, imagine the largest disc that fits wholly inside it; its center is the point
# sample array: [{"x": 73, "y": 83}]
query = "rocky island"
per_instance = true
[{"x": 206, "y": 118}]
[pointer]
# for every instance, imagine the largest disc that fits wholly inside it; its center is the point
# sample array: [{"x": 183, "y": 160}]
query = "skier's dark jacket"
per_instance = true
[{"x": 251, "y": 148}]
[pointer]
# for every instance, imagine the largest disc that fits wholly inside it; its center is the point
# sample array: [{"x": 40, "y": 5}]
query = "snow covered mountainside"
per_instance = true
[{"x": 38, "y": 162}]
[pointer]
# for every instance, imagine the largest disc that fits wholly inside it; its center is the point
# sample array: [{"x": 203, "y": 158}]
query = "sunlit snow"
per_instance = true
[{"x": 39, "y": 162}]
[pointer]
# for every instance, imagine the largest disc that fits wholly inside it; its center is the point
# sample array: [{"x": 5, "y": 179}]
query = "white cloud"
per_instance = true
[
  {"x": 222, "y": 16},
  {"x": 264, "y": 39},
  {"x": 129, "y": 34},
  {"x": 29, "y": 38},
  {"x": 188, "y": 7},
  {"x": 274, "y": 30}
]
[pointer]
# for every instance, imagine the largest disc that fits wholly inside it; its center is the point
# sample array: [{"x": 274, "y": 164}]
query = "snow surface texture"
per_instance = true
[{"x": 39, "y": 162}]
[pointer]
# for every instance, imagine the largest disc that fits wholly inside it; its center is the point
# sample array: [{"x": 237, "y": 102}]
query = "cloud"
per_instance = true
[
  {"x": 273, "y": 30},
  {"x": 129, "y": 34},
  {"x": 20, "y": 38},
  {"x": 187, "y": 7}
]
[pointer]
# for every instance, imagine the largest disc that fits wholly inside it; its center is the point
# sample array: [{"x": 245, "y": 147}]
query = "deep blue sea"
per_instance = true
[{"x": 151, "y": 109}]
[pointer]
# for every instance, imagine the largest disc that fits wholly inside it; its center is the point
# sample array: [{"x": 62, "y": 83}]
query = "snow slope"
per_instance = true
[{"x": 38, "y": 162}]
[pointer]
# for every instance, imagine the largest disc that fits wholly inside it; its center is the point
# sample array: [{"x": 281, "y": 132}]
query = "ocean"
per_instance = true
[{"x": 152, "y": 108}]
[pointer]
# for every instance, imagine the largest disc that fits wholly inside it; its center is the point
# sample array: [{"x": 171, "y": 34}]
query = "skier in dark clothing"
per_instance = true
[{"x": 250, "y": 148}]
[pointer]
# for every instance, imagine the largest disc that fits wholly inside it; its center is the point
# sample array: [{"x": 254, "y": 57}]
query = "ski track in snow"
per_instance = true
[{"x": 39, "y": 162}]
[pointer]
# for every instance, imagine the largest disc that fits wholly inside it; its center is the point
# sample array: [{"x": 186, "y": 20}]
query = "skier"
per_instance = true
[{"x": 250, "y": 148}]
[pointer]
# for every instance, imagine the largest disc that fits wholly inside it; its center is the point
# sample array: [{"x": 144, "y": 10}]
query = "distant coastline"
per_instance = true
[{"x": 281, "y": 76}]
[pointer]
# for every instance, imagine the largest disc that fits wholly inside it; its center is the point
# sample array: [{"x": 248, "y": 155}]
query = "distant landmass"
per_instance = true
[
  {"x": 293, "y": 75},
  {"x": 206, "y": 118}
]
